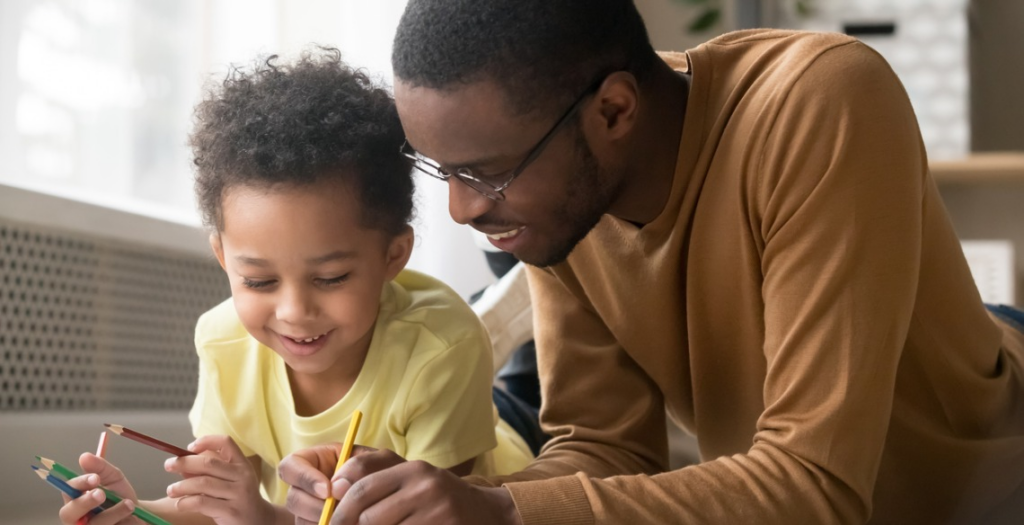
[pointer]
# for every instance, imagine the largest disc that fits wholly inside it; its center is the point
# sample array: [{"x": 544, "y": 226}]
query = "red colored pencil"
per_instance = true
[
  {"x": 146, "y": 440},
  {"x": 101, "y": 449}
]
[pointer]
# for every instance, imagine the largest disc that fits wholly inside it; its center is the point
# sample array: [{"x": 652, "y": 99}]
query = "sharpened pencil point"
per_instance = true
[{"x": 117, "y": 429}]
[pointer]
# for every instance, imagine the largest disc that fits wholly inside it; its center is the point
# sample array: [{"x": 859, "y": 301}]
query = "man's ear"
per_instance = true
[
  {"x": 618, "y": 105},
  {"x": 399, "y": 251},
  {"x": 218, "y": 249}
]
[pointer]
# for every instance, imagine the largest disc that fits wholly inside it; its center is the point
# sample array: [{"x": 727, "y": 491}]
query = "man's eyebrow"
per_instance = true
[{"x": 333, "y": 256}]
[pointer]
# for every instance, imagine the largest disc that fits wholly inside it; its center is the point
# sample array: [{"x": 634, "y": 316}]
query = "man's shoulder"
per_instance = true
[{"x": 769, "y": 51}]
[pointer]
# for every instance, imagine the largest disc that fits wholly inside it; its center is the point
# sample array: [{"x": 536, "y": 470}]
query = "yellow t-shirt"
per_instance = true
[{"x": 424, "y": 390}]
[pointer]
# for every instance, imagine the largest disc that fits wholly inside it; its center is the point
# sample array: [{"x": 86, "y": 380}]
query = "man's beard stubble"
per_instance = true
[{"x": 588, "y": 198}]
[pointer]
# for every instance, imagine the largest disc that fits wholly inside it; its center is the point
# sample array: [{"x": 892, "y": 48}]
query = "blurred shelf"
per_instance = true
[{"x": 1002, "y": 167}]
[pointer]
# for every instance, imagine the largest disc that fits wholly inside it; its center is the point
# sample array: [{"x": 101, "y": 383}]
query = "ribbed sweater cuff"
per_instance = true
[{"x": 556, "y": 501}]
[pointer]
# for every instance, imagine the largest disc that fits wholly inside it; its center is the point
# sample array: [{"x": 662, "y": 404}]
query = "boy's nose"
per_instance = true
[
  {"x": 296, "y": 306},
  {"x": 465, "y": 203}
]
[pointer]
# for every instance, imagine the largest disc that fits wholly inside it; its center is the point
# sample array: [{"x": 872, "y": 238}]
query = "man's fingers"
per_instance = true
[
  {"x": 363, "y": 500},
  {"x": 366, "y": 463},
  {"x": 303, "y": 505},
  {"x": 309, "y": 469},
  {"x": 360, "y": 449}
]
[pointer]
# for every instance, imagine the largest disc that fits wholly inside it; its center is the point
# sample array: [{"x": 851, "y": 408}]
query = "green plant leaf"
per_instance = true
[
  {"x": 805, "y": 8},
  {"x": 706, "y": 20}
]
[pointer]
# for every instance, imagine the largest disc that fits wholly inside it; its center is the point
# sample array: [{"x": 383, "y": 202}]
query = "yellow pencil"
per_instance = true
[{"x": 346, "y": 451}]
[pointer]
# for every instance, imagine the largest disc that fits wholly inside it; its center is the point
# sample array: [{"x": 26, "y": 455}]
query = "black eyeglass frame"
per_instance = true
[{"x": 487, "y": 189}]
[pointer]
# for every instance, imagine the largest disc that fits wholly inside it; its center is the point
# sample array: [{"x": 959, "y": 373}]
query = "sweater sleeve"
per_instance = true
[{"x": 838, "y": 199}]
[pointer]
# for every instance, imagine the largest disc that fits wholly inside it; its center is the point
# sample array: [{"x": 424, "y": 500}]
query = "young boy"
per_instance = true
[{"x": 300, "y": 179}]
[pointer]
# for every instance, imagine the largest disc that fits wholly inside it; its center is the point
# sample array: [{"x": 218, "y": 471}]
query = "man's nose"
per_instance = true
[{"x": 465, "y": 203}]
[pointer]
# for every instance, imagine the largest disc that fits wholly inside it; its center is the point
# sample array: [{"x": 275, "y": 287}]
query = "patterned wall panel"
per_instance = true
[{"x": 91, "y": 323}]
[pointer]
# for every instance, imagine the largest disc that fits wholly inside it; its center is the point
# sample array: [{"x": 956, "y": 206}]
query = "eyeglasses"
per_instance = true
[{"x": 494, "y": 186}]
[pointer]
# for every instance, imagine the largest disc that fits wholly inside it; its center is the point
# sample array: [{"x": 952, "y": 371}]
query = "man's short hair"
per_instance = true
[{"x": 543, "y": 53}]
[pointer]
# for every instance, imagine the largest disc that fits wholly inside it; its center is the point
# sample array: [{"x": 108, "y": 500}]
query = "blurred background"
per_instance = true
[{"x": 103, "y": 265}]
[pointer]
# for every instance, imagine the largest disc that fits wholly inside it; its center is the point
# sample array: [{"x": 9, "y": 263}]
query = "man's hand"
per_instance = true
[
  {"x": 379, "y": 487},
  {"x": 219, "y": 483}
]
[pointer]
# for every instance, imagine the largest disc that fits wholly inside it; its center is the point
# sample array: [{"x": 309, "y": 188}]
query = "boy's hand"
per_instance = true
[
  {"x": 380, "y": 487},
  {"x": 99, "y": 472},
  {"x": 219, "y": 483}
]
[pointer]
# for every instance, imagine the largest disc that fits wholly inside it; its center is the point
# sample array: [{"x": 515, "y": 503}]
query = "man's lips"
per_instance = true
[{"x": 497, "y": 236}]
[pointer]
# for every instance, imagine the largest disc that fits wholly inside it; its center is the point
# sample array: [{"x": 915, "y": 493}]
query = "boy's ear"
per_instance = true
[
  {"x": 218, "y": 249},
  {"x": 399, "y": 251}
]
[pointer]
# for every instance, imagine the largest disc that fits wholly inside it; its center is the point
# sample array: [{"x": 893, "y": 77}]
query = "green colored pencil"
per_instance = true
[{"x": 68, "y": 474}]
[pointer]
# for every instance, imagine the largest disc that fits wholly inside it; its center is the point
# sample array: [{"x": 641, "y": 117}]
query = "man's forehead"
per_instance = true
[{"x": 464, "y": 121}]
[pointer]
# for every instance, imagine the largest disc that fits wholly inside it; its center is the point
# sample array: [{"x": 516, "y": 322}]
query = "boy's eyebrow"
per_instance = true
[{"x": 333, "y": 256}]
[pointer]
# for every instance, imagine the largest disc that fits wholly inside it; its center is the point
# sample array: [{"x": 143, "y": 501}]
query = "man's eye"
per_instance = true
[{"x": 256, "y": 285}]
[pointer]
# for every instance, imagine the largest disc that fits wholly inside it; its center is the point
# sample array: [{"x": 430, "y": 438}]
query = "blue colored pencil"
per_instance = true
[{"x": 62, "y": 486}]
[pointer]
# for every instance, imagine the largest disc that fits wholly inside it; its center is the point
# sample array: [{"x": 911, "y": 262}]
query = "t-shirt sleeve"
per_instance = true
[
  {"x": 207, "y": 415},
  {"x": 449, "y": 413}
]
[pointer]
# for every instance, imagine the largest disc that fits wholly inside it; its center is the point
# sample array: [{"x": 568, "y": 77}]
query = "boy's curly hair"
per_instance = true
[{"x": 315, "y": 119}]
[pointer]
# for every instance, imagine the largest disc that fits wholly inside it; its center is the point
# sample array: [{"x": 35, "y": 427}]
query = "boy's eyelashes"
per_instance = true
[{"x": 323, "y": 282}]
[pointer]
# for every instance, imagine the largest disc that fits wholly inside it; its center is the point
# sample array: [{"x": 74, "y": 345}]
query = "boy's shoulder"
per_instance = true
[
  {"x": 220, "y": 325},
  {"x": 424, "y": 303}
]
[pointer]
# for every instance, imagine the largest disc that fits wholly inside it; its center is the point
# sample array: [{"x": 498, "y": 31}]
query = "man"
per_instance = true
[{"x": 745, "y": 235}]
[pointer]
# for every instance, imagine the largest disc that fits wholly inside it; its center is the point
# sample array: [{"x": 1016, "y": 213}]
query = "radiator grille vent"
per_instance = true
[{"x": 90, "y": 323}]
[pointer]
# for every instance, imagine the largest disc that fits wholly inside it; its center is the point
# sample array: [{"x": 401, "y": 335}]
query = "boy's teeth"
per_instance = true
[{"x": 308, "y": 339}]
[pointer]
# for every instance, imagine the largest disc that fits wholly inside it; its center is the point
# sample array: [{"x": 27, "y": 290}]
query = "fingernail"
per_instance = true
[
  {"x": 191, "y": 446},
  {"x": 320, "y": 490},
  {"x": 130, "y": 504},
  {"x": 340, "y": 486},
  {"x": 96, "y": 494},
  {"x": 170, "y": 488},
  {"x": 168, "y": 464},
  {"x": 93, "y": 479}
]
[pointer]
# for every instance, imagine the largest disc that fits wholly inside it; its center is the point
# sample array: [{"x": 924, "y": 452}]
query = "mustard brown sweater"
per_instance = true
[{"x": 801, "y": 305}]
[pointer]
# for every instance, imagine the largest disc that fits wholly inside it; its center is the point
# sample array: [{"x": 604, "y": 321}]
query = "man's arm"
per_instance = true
[{"x": 842, "y": 232}]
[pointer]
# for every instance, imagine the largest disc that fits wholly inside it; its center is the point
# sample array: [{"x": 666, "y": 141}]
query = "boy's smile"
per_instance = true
[
  {"x": 304, "y": 346},
  {"x": 307, "y": 276}
]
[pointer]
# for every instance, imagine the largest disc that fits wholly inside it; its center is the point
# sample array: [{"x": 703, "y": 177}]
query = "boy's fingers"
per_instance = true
[
  {"x": 224, "y": 446},
  {"x": 203, "y": 465},
  {"x": 85, "y": 482},
  {"x": 120, "y": 514},
  {"x": 81, "y": 506},
  {"x": 108, "y": 473},
  {"x": 203, "y": 485}
]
